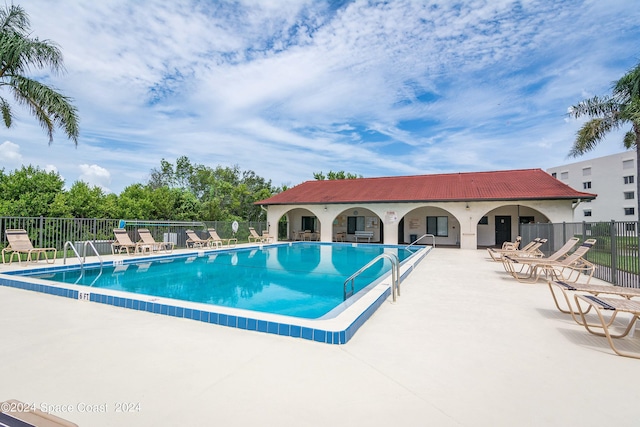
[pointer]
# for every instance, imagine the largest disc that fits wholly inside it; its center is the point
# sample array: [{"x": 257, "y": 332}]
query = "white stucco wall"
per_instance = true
[{"x": 463, "y": 227}]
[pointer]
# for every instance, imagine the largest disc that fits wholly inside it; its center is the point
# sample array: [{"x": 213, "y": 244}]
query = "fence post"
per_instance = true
[
  {"x": 41, "y": 232},
  {"x": 614, "y": 253}
]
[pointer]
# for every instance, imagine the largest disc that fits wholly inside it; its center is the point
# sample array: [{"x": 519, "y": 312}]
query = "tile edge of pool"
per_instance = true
[{"x": 336, "y": 330}]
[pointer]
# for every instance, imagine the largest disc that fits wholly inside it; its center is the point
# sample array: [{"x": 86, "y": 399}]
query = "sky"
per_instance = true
[{"x": 286, "y": 88}]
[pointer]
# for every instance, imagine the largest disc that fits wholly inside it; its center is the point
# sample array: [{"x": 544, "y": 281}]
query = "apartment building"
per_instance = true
[{"x": 612, "y": 178}]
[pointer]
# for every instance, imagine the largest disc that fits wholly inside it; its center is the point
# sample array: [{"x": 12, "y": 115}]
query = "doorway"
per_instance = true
[{"x": 503, "y": 229}]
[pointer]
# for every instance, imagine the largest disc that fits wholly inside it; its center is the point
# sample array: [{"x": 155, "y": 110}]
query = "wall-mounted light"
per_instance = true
[
  {"x": 467, "y": 207},
  {"x": 325, "y": 208}
]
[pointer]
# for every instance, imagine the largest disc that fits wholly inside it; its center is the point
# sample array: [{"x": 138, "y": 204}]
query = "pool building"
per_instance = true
[{"x": 467, "y": 210}]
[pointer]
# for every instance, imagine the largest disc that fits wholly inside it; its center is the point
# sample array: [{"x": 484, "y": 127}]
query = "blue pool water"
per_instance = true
[{"x": 303, "y": 279}]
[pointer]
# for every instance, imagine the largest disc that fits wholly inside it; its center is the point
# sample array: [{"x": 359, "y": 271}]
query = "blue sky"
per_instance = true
[{"x": 287, "y": 88}]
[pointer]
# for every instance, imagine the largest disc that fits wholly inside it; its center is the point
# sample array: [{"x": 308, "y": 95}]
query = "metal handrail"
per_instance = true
[
  {"x": 395, "y": 275},
  {"x": 82, "y": 259},
  {"x": 95, "y": 251},
  {"x": 420, "y": 238},
  {"x": 64, "y": 258}
]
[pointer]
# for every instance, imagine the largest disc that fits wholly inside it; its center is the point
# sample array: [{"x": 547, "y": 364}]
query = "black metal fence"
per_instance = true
[
  {"x": 615, "y": 253},
  {"x": 55, "y": 232}
]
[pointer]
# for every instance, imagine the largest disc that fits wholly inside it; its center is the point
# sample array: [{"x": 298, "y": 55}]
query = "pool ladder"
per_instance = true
[
  {"x": 395, "y": 275},
  {"x": 83, "y": 259},
  {"x": 84, "y": 252}
]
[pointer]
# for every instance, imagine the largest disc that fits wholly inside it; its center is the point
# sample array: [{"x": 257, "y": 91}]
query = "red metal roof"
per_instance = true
[{"x": 524, "y": 184}]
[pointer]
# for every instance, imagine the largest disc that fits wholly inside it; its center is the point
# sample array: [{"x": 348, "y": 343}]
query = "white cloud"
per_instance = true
[
  {"x": 10, "y": 156},
  {"x": 374, "y": 88},
  {"x": 95, "y": 175}
]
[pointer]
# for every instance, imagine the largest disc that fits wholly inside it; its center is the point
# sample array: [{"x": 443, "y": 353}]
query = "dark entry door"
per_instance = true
[
  {"x": 400, "y": 231},
  {"x": 503, "y": 229}
]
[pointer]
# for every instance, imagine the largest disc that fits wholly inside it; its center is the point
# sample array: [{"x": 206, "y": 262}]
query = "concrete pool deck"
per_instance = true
[{"x": 464, "y": 345}]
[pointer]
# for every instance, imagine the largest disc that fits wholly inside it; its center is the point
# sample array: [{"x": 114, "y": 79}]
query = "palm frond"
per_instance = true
[
  {"x": 590, "y": 134},
  {"x": 19, "y": 54},
  {"x": 630, "y": 140},
  {"x": 14, "y": 19},
  {"x": 594, "y": 107},
  {"x": 48, "y": 106},
  {"x": 628, "y": 87},
  {"x": 5, "y": 108}
]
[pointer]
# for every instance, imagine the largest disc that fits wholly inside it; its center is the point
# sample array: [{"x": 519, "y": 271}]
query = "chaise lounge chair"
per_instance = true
[
  {"x": 19, "y": 243},
  {"x": 124, "y": 243},
  {"x": 194, "y": 240},
  {"x": 531, "y": 249},
  {"x": 254, "y": 236},
  {"x": 266, "y": 237},
  {"x": 574, "y": 264},
  {"x": 564, "y": 288},
  {"x": 510, "y": 261},
  {"x": 512, "y": 245},
  {"x": 147, "y": 239},
  {"x": 614, "y": 306},
  {"x": 215, "y": 238}
]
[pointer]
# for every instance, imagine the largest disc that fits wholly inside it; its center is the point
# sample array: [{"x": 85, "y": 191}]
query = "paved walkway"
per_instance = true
[{"x": 464, "y": 346}]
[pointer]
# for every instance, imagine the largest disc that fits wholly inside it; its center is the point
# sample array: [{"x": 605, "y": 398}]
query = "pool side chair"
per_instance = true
[
  {"x": 147, "y": 239},
  {"x": 123, "y": 243},
  {"x": 194, "y": 240},
  {"x": 254, "y": 236},
  {"x": 512, "y": 245},
  {"x": 511, "y": 261},
  {"x": 531, "y": 249},
  {"x": 19, "y": 243},
  {"x": 559, "y": 287},
  {"x": 568, "y": 269},
  {"x": 215, "y": 238},
  {"x": 611, "y": 306},
  {"x": 266, "y": 237}
]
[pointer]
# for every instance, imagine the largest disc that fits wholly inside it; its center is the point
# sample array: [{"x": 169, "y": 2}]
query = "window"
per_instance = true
[
  {"x": 586, "y": 185},
  {"x": 587, "y": 212},
  {"x": 627, "y": 164},
  {"x": 629, "y": 211},
  {"x": 564, "y": 175},
  {"x": 355, "y": 223},
  {"x": 628, "y": 195},
  {"x": 309, "y": 223},
  {"x": 586, "y": 171},
  {"x": 553, "y": 174},
  {"x": 526, "y": 220},
  {"x": 438, "y": 225},
  {"x": 629, "y": 179},
  {"x": 484, "y": 220}
]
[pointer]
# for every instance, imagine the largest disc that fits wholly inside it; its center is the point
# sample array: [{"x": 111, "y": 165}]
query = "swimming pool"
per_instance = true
[
  {"x": 294, "y": 289},
  {"x": 302, "y": 280}
]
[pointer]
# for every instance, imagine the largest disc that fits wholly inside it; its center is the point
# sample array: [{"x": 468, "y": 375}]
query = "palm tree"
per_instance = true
[
  {"x": 18, "y": 54},
  {"x": 611, "y": 113}
]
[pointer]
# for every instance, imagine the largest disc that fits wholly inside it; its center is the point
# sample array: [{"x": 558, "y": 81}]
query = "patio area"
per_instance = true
[{"x": 464, "y": 345}]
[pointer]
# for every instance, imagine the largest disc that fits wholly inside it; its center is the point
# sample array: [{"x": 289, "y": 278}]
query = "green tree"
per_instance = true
[
  {"x": 85, "y": 201},
  {"x": 29, "y": 191},
  {"x": 223, "y": 193},
  {"x": 319, "y": 176},
  {"x": 19, "y": 52},
  {"x": 135, "y": 202},
  {"x": 609, "y": 113}
]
